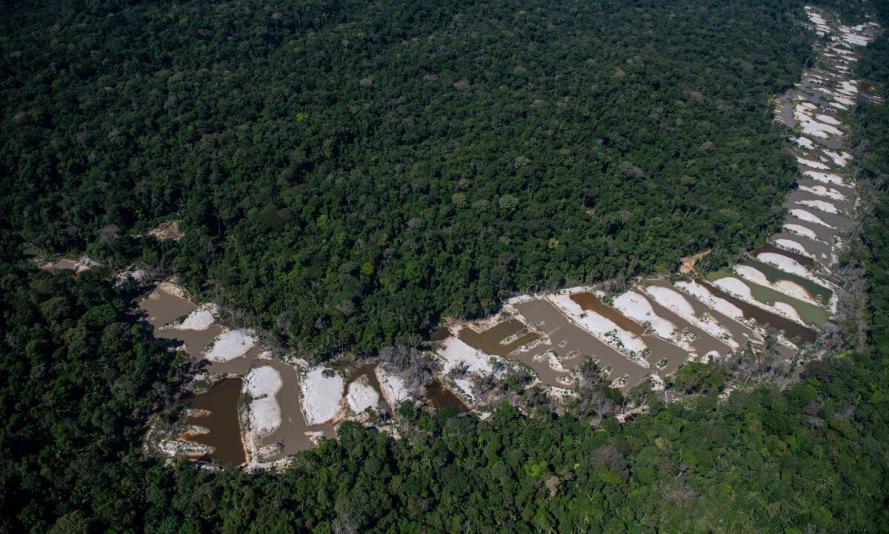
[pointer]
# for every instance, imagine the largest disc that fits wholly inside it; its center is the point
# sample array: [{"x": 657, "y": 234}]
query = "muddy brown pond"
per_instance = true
[
  {"x": 491, "y": 341},
  {"x": 440, "y": 397},
  {"x": 220, "y": 407},
  {"x": 661, "y": 350},
  {"x": 162, "y": 306}
]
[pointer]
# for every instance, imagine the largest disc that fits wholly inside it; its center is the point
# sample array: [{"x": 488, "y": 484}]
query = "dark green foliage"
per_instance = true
[
  {"x": 80, "y": 377},
  {"x": 79, "y": 380},
  {"x": 347, "y": 172},
  {"x": 75, "y": 399}
]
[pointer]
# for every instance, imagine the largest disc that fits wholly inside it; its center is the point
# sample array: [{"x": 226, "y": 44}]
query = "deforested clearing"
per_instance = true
[
  {"x": 465, "y": 385},
  {"x": 703, "y": 294},
  {"x": 230, "y": 344},
  {"x": 322, "y": 391},
  {"x": 458, "y": 355},
  {"x": 167, "y": 230},
  {"x": 637, "y": 307},
  {"x": 392, "y": 386},
  {"x": 361, "y": 396},
  {"x": 674, "y": 301},
  {"x": 782, "y": 286}
]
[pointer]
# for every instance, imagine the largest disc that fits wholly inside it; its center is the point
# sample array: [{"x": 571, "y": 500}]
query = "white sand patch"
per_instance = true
[
  {"x": 321, "y": 395},
  {"x": 84, "y": 263},
  {"x": 262, "y": 384},
  {"x": 637, "y": 308},
  {"x": 788, "y": 311},
  {"x": 816, "y": 19},
  {"x": 808, "y": 217},
  {"x": 600, "y": 326},
  {"x": 811, "y": 126},
  {"x": 703, "y": 294},
  {"x": 230, "y": 344},
  {"x": 822, "y": 191},
  {"x": 826, "y": 207},
  {"x": 200, "y": 319},
  {"x": 793, "y": 246},
  {"x": 842, "y": 99},
  {"x": 676, "y": 303},
  {"x": 657, "y": 383},
  {"x": 262, "y": 381},
  {"x": 175, "y": 448},
  {"x": 521, "y": 299},
  {"x": 788, "y": 265},
  {"x": 743, "y": 291},
  {"x": 792, "y": 289},
  {"x": 466, "y": 386},
  {"x": 752, "y": 274},
  {"x": 671, "y": 300},
  {"x": 858, "y": 40},
  {"x": 559, "y": 393},
  {"x": 782, "y": 286},
  {"x": 812, "y": 163},
  {"x": 458, "y": 355},
  {"x": 840, "y": 160},
  {"x": 136, "y": 275},
  {"x": 394, "y": 389},
  {"x": 828, "y": 119},
  {"x": 361, "y": 396},
  {"x": 800, "y": 230},
  {"x": 735, "y": 287},
  {"x": 805, "y": 142}
]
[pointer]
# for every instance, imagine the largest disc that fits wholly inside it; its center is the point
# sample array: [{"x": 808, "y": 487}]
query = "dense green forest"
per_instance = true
[
  {"x": 348, "y": 172},
  {"x": 81, "y": 375},
  {"x": 80, "y": 378}
]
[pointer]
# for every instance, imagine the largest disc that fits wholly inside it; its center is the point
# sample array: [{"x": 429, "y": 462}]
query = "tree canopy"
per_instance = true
[
  {"x": 348, "y": 172},
  {"x": 81, "y": 375}
]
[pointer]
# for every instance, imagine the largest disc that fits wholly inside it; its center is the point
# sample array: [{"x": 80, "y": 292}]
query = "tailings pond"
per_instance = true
[{"x": 219, "y": 407}]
